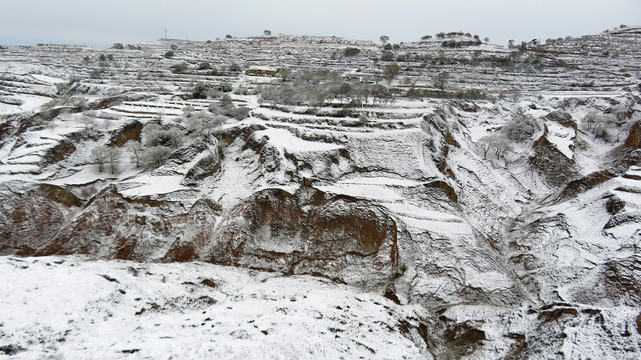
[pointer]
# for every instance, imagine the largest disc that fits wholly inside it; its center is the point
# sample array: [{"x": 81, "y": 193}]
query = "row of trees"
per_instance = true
[{"x": 318, "y": 89}]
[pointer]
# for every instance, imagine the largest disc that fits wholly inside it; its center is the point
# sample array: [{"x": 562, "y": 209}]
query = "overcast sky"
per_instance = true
[{"x": 100, "y": 23}]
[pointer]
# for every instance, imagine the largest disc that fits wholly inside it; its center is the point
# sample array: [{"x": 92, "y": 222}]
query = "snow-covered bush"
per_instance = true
[
  {"x": 496, "y": 143},
  {"x": 179, "y": 68},
  {"x": 155, "y": 156},
  {"x": 156, "y": 135},
  {"x": 521, "y": 128},
  {"x": 601, "y": 125}
]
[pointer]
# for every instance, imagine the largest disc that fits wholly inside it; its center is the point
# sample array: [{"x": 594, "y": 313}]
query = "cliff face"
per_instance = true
[{"x": 512, "y": 223}]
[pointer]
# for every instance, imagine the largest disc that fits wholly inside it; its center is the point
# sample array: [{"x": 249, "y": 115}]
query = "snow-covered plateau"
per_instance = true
[{"x": 311, "y": 197}]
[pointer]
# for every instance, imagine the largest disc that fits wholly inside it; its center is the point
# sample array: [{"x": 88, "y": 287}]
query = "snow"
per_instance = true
[
  {"x": 562, "y": 137},
  {"x": 47, "y": 79},
  {"x": 286, "y": 140},
  {"x": 417, "y": 212},
  {"x": 379, "y": 180},
  {"x": 75, "y": 307},
  {"x": 146, "y": 185}
]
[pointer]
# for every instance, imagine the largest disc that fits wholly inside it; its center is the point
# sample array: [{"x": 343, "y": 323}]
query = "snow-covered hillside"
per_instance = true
[{"x": 487, "y": 197}]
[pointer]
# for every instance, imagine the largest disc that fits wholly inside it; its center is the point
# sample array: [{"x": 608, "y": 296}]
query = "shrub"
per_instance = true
[
  {"x": 155, "y": 156},
  {"x": 351, "y": 51},
  {"x": 204, "y": 66},
  {"x": 387, "y": 55},
  {"x": 234, "y": 67},
  {"x": 169, "y": 54},
  {"x": 226, "y": 87},
  {"x": 155, "y": 135},
  {"x": 391, "y": 71},
  {"x": 95, "y": 74},
  {"x": 240, "y": 113},
  {"x": 440, "y": 81},
  {"x": 179, "y": 68},
  {"x": 226, "y": 102},
  {"x": 601, "y": 125},
  {"x": 521, "y": 128},
  {"x": 201, "y": 91}
]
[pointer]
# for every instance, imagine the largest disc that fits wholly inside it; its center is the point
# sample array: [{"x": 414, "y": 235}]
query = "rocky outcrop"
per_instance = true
[
  {"x": 57, "y": 153},
  {"x": 114, "y": 226},
  {"x": 563, "y": 118},
  {"x": 207, "y": 166},
  {"x": 30, "y": 214},
  {"x": 310, "y": 232},
  {"x": 551, "y": 164},
  {"x": 127, "y": 132},
  {"x": 622, "y": 279}
]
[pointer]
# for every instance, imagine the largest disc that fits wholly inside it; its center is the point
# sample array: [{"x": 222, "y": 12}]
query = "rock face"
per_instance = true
[
  {"x": 114, "y": 226},
  {"x": 31, "y": 215},
  {"x": 310, "y": 232}
]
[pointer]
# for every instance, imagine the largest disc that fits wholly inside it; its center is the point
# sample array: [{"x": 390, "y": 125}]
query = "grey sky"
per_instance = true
[{"x": 100, "y": 23}]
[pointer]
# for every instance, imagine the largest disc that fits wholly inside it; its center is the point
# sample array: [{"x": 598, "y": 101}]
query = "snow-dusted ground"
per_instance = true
[
  {"x": 480, "y": 237},
  {"x": 78, "y": 308}
]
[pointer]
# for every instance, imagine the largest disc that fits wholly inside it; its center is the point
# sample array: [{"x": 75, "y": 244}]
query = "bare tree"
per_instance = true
[
  {"x": 497, "y": 143},
  {"x": 112, "y": 156},
  {"x": 99, "y": 155},
  {"x": 136, "y": 149},
  {"x": 384, "y": 39}
]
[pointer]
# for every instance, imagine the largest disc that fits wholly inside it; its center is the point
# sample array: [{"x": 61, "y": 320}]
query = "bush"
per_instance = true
[
  {"x": 240, "y": 113},
  {"x": 169, "y": 54},
  {"x": 521, "y": 128},
  {"x": 387, "y": 55},
  {"x": 201, "y": 91},
  {"x": 179, "y": 68},
  {"x": 226, "y": 87},
  {"x": 155, "y": 135},
  {"x": 155, "y": 156},
  {"x": 95, "y": 74},
  {"x": 351, "y": 51},
  {"x": 204, "y": 66},
  {"x": 234, "y": 67},
  {"x": 440, "y": 81},
  {"x": 601, "y": 125},
  {"x": 225, "y": 102}
]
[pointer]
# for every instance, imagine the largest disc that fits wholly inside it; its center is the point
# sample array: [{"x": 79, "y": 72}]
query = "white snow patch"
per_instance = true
[
  {"x": 74, "y": 308},
  {"x": 151, "y": 185},
  {"x": 284, "y": 139}
]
